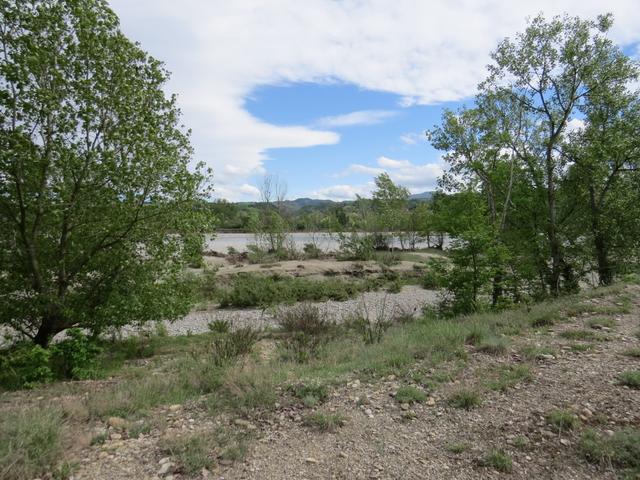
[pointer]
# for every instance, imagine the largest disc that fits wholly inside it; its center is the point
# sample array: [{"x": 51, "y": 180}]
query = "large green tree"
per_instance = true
[{"x": 98, "y": 208}]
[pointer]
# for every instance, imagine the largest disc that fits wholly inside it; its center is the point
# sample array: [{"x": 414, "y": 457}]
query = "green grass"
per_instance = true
[
  {"x": 622, "y": 450},
  {"x": 465, "y": 399},
  {"x": 310, "y": 393},
  {"x": 544, "y": 319},
  {"x": 534, "y": 352},
  {"x": 30, "y": 443},
  {"x": 599, "y": 322},
  {"x": 493, "y": 345},
  {"x": 581, "y": 347},
  {"x": 409, "y": 394},
  {"x": 632, "y": 352},
  {"x": 457, "y": 447},
  {"x": 584, "y": 335},
  {"x": 630, "y": 379},
  {"x": 499, "y": 460},
  {"x": 508, "y": 376},
  {"x": 561, "y": 420},
  {"x": 191, "y": 452},
  {"x": 324, "y": 422}
]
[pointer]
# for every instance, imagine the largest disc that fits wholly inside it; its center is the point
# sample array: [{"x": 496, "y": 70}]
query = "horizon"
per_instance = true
[{"x": 352, "y": 99}]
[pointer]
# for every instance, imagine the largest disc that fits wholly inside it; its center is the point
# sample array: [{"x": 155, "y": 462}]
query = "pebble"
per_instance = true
[
  {"x": 240, "y": 422},
  {"x": 175, "y": 408},
  {"x": 311, "y": 460},
  {"x": 117, "y": 422},
  {"x": 166, "y": 468}
]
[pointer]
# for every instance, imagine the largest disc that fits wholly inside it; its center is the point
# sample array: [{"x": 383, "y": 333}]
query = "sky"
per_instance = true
[{"x": 327, "y": 94}]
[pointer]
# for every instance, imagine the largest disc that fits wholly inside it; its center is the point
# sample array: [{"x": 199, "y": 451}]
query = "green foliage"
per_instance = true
[
  {"x": 75, "y": 356},
  {"x": 630, "y": 379},
  {"x": 632, "y": 352},
  {"x": 100, "y": 210},
  {"x": 24, "y": 366},
  {"x": 30, "y": 443},
  {"x": 510, "y": 375},
  {"x": 311, "y": 393},
  {"x": 493, "y": 345},
  {"x": 219, "y": 326},
  {"x": 458, "y": 447},
  {"x": 191, "y": 452},
  {"x": 409, "y": 394},
  {"x": 355, "y": 246},
  {"x": 249, "y": 290},
  {"x": 561, "y": 420}
]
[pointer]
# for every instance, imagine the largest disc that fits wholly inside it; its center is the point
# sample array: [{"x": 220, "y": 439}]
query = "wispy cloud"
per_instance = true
[
  {"x": 412, "y": 138},
  {"x": 360, "y": 117}
]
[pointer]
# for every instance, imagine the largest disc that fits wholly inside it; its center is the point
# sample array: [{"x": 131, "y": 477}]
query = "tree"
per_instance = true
[
  {"x": 98, "y": 210},
  {"x": 390, "y": 203}
]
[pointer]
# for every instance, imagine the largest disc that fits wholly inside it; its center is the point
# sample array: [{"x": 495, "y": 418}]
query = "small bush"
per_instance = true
[
  {"x": 308, "y": 331},
  {"x": 499, "y": 460},
  {"x": 310, "y": 393},
  {"x": 219, "y": 325},
  {"x": 324, "y": 422},
  {"x": 561, "y": 420},
  {"x": 311, "y": 250},
  {"x": 584, "y": 335},
  {"x": 75, "y": 357},
  {"x": 622, "y": 450},
  {"x": 394, "y": 287},
  {"x": 457, "y": 448},
  {"x": 25, "y": 366},
  {"x": 227, "y": 347},
  {"x": 630, "y": 379},
  {"x": 409, "y": 394},
  {"x": 372, "y": 325},
  {"x": 466, "y": 399},
  {"x": 543, "y": 319},
  {"x": 509, "y": 376},
  {"x": 30, "y": 443},
  {"x": 355, "y": 247}
]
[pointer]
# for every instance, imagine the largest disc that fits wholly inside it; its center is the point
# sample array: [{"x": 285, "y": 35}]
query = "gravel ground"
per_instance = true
[{"x": 410, "y": 300}]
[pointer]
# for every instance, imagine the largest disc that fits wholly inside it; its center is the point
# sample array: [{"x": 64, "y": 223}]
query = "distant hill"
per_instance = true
[{"x": 421, "y": 196}]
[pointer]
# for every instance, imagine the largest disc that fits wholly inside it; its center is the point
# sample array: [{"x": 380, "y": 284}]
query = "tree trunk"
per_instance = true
[
  {"x": 497, "y": 290},
  {"x": 48, "y": 329},
  {"x": 605, "y": 274}
]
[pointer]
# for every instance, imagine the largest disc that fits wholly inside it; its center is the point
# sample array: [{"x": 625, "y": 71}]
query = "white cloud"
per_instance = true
[
  {"x": 426, "y": 52},
  {"x": 574, "y": 125},
  {"x": 340, "y": 193},
  {"x": 412, "y": 138},
  {"x": 417, "y": 178},
  {"x": 237, "y": 192},
  {"x": 361, "y": 117}
]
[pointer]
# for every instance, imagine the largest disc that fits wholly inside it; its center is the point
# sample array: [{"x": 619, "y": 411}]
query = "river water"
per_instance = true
[{"x": 327, "y": 242}]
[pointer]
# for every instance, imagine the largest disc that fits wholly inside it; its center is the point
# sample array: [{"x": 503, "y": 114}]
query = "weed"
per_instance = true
[
  {"x": 521, "y": 442},
  {"x": 630, "y": 379},
  {"x": 510, "y": 375},
  {"x": 308, "y": 331},
  {"x": 466, "y": 399},
  {"x": 457, "y": 448},
  {"x": 544, "y": 319},
  {"x": 621, "y": 450},
  {"x": 632, "y": 352},
  {"x": 99, "y": 439},
  {"x": 324, "y": 422},
  {"x": 227, "y": 347},
  {"x": 30, "y": 443},
  {"x": 310, "y": 393},
  {"x": 493, "y": 345},
  {"x": 220, "y": 325},
  {"x": 581, "y": 347},
  {"x": 535, "y": 352},
  {"x": 373, "y": 326},
  {"x": 191, "y": 452},
  {"x": 585, "y": 335},
  {"x": 499, "y": 460},
  {"x": 599, "y": 322},
  {"x": 139, "y": 428},
  {"x": 409, "y": 394},
  {"x": 561, "y": 420}
]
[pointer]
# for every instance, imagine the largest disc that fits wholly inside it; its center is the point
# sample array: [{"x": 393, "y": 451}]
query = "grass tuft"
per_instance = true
[
  {"x": 630, "y": 379},
  {"x": 499, "y": 460},
  {"x": 409, "y": 394},
  {"x": 324, "y": 422},
  {"x": 465, "y": 399},
  {"x": 561, "y": 420}
]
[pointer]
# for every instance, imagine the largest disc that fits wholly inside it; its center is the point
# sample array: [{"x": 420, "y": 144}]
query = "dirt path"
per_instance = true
[{"x": 382, "y": 439}]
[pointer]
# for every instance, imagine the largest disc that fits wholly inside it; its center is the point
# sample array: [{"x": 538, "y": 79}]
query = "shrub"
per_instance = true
[
  {"x": 409, "y": 394},
  {"x": 30, "y": 443},
  {"x": 324, "y": 422},
  {"x": 227, "y": 347},
  {"x": 457, "y": 448},
  {"x": 310, "y": 393},
  {"x": 586, "y": 335},
  {"x": 493, "y": 345},
  {"x": 598, "y": 323},
  {"x": 395, "y": 286},
  {"x": 466, "y": 399},
  {"x": 509, "y": 376},
  {"x": 75, "y": 357},
  {"x": 372, "y": 326},
  {"x": 307, "y": 331},
  {"x": 631, "y": 379},
  {"x": 355, "y": 247},
  {"x": 24, "y": 366},
  {"x": 632, "y": 352},
  {"x": 499, "y": 460},
  {"x": 561, "y": 420},
  {"x": 543, "y": 319},
  {"x": 311, "y": 250}
]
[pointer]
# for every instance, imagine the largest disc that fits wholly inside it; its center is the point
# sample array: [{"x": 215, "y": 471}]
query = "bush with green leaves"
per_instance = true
[
  {"x": 355, "y": 246},
  {"x": 226, "y": 348},
  {"x": 75, "y": 356},
  {"x": 24, "y": 366}
]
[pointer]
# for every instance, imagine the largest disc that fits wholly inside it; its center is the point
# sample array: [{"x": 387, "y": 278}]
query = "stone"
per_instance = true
[
  {"x": 116, "y": 436},
  {"x": 166, "y": 468},
  {"x": 164, "y": 460},
  {"x": 311, "y": 460},
  {"x": 244, "y": 424},
  {"x": 175, "y": 408},
  {"x": 430, "y": 402},
  {"x": 404, "y": 406}
]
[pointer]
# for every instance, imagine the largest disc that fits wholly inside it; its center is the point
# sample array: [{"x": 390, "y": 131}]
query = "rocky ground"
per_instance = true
[{"x": 384, "y": 439}]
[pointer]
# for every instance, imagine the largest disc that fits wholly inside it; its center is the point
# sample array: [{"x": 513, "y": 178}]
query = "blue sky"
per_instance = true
[{"x": 326, "y": 94}]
